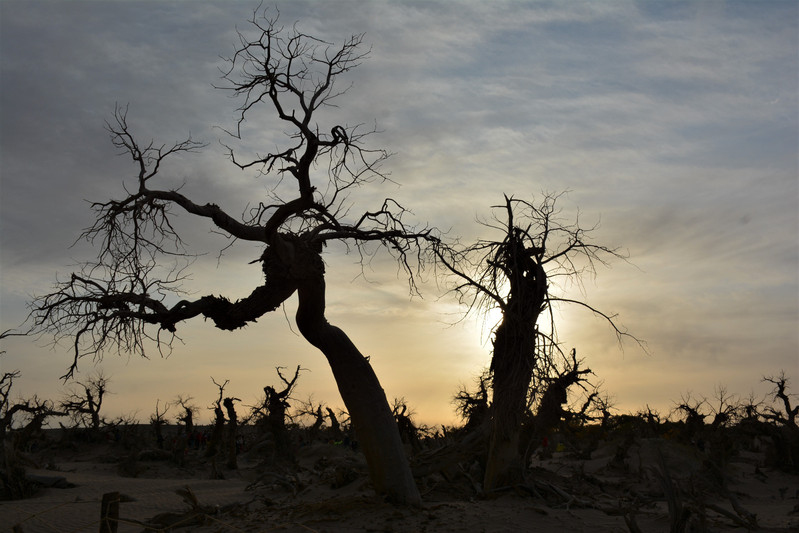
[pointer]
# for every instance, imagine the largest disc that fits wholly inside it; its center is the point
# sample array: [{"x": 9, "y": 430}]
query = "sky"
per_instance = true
[{"x": 674, "y": 125}]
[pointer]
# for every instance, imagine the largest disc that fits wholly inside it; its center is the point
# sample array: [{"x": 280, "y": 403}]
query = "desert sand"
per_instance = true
[{"x": 327, "y": 490}]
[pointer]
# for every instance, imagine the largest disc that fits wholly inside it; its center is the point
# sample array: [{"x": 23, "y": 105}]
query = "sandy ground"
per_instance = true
[{"x": 330, "y": 493}]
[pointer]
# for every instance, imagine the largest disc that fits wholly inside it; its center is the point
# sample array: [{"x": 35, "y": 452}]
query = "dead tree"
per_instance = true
[
  {"x": 181, "y": 441},
  {"x": 216, "y": 441},
  {"x": 276, "y": 403},
  {"x": 408, "y": 430},
  {"x": 692, "y": 409},
  {"x": 13, "y": 484},
  {"x": 512, "y": 274},
  {"x": 784, "y": 432},
  {"x": 271, "y": 415},
  {"x": 189, "y": 410},
  {"x": 725, "y": 409},
  {"x": 35, "y": 409},
  {"x": 750, "y": 410},
  {"x": 694, "y": 422},
  {"x": 780, "y": 393},
  {"x": 157, "y": 420},
  {"x": 473, "y": 406},
  {"x": 550, "y": 409},
  {"x": 232, "y": 432},
  {"x": 603, "y": 405},
  {"x": 314, "y": 411},
  {"x": 130, "y": 295},
  {"x": 335, "y": 426},
  {"x": 7, "y": 410},
  {"x": 84, "y": 406},
  {"x": 319, "y": 421}
]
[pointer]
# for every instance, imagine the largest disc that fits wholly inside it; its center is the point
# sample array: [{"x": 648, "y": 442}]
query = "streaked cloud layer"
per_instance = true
[{"x": 675, "y": 123}]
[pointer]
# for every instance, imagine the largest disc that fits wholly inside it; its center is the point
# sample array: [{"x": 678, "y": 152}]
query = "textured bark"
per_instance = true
[
  {"x": 512, "y": 367},
  {"x": 361, "y": 392},
  {"x": 514, "y": 357}
]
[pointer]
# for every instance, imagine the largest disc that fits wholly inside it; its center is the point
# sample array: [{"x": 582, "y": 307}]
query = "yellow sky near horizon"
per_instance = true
[{"x": 674, "y": 124}]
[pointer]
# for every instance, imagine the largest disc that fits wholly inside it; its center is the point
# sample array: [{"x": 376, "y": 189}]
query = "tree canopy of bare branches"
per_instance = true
[
  {"x": 85, "y": 400},
  {"x": 133, "y": 293},
  {"x": 781, "y": 394},
  {"x": 35, "y": 409},
  {"x": 514, "y": 274}
]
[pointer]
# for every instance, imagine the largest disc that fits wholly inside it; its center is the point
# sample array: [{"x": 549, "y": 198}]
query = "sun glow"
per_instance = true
[{"x": 489, "y": 320}]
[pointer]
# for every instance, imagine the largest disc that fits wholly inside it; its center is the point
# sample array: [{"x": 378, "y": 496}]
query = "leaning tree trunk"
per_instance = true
[
  {"x": 335, "y": 427},
  {"x": 359, "y": 387}
]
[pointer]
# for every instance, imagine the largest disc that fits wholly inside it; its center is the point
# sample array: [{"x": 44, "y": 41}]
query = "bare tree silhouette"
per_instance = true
[
  {"x": 189, "y": 412},
  {"x": 15, "y": 437},
  {"x": 512, "y": 274},
  {"x": 780, "y": 392},
  {"x": 232, "y": 432},
  {"x": 83, "y": 406},
  {"x": 126, "y": 297},
  {"x": 473, "y": 407},
  {"x": 215, "y": 441},
  {"x": 158, "y": 420}
]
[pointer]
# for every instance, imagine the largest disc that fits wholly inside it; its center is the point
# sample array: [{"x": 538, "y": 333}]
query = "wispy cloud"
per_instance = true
[{"x": 675, "y": 123}]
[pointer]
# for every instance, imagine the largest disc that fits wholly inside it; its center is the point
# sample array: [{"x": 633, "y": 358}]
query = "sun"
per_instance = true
[{"x": 489, "y": 320}]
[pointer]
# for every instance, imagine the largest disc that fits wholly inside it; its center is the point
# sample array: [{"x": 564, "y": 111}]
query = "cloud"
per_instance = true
[{"x": 673, "y": 123}]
